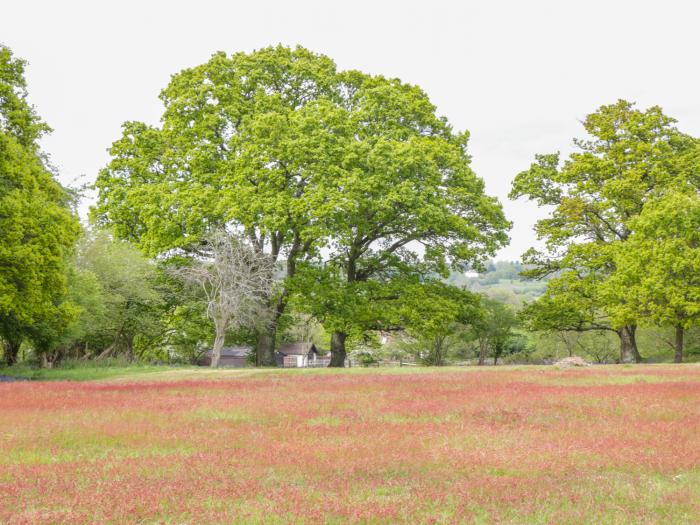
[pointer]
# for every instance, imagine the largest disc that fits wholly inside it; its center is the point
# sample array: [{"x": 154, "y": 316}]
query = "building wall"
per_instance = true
[
  {"x": 234, "y": 362},
  {"x": 230, "y": 361}
]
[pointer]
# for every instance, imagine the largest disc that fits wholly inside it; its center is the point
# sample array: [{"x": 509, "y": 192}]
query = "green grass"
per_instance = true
[
  {"x": 80, "y": 373},
  {"x": 120, "y": 370}
]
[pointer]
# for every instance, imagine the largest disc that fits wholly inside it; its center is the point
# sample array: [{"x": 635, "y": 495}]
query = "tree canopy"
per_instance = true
[
  {"x": 657, "y": 275},
  {"x": 631, "y": 157},
  {"x": 308, "y": 163},
  {"x": 38, "y": 229}
]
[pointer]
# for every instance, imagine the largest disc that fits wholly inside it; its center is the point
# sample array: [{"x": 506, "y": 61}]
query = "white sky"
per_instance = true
[{"x": 519, "y": 75}]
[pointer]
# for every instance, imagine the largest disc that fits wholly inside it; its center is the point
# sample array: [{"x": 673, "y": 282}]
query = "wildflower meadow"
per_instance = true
[{"x": 605, "y": 444}]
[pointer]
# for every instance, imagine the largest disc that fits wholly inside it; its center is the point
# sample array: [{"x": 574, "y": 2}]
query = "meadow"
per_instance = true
[{"x": 605, "y": 444}]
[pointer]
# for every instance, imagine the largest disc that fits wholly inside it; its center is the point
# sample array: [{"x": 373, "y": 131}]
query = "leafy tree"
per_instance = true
[
  {"x": 658, "y": 269},
  {"x": 37, "y": 227},
  {"x": 300, "y": 157},
  {"x": 239, "y": 145},
  {"x": 493, "y": 329},
  {"x": 127, "y": 319},
  {"x": 83, "y": 312},
  {"x": 631, "y": 156},
  {"x": 437, "y": 319},
  {"x": 402, "y": 202}
]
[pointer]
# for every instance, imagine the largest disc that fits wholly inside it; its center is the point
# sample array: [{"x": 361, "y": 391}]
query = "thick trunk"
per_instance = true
[
  {"x": 267, "y": 337},
  {"x": 628, "y": 345},
  {"x": 11, "y": 351},
  {"x": 482, "y": 353},
  {"x": 46, "y": 362},
  {"x": 218, "y": 345},
  {"x": 338, "y": 349},
  {"x": 680, "y": 332},
  {"x": 265, "y": 350}
]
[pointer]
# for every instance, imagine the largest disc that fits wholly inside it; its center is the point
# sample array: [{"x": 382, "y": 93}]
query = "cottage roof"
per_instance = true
[
  {"x": 296, "y": 348},
  {"x": 232, "y": 351}
]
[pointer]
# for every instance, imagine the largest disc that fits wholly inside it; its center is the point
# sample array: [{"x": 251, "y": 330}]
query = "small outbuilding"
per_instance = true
[
  {"x": 299, "y": 355},
  {"x": 231, "y": 356}
]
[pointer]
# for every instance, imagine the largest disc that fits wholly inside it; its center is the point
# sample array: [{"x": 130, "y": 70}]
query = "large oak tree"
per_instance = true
[
  {"x": 631, "y": 156},
  {"x": 403, "y": 205},
  {"x": 308, "y": 163},
  {"x": 235, "y": 148}
]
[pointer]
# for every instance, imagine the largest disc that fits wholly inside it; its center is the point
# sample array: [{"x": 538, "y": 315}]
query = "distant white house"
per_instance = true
[{"x": 300, "y": 355}]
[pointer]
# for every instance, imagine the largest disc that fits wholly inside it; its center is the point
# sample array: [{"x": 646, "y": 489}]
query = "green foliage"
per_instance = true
[
  {"x": 494, "y": 330},
  {"x": 658, "y": 269},
  {"x": 17, "y": 118},
  {"x": 112, "y": 305},
  {"x": 238, "y": 144},
  {"x": 37, "y": 226},
  {"x": 632, "y": 156},
  {"x": 301, "y": 157},
  {"x": 437, "y": 320}
]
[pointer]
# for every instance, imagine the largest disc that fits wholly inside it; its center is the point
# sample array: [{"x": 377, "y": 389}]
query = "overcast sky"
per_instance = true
[{"x": 519, "y": 75}]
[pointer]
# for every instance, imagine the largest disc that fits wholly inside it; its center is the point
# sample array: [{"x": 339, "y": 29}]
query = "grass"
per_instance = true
[
  {"x": 608, "y": 444},
  {"x": 87, "y": 372}
]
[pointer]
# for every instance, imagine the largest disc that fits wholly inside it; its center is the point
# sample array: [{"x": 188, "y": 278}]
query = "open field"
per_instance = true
[{"x": 609, "y": 444}]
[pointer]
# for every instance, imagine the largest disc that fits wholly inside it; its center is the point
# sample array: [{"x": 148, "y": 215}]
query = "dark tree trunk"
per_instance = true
[
  {"x": 628, "y": 345},
  {"x": 11, "y": 351},
  {"x": 482, "y": 353},
  {"x": 338, "y": 349},
  {"x": 267, "y": 337},
  {"x": 680, "y": 332},
  {"x": 265, "y": 350},
  {"x": 129, "y": 343}
]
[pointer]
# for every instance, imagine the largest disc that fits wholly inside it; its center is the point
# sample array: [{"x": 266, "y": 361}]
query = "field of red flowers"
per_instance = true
[{"x": 533, "y": 445}]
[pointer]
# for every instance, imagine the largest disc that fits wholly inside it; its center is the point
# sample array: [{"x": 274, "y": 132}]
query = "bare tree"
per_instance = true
[{"x": 236, "y": 280}]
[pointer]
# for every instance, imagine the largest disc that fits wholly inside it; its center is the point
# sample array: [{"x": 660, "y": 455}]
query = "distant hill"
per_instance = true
[{"x": 501, "y": 281}]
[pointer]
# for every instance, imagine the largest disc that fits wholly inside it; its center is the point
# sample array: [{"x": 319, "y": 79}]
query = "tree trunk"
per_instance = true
[
  {"x": 680, "y": 332},
  {"x": 439, "y": 343},
  {"x": 11, "y": 351},
  {"x": 338, "y": 349},
  {"x": 482, "y": 353},
  {"x": 628, "y": 345},
  {"x": 129, "y": 341},
  {"x": 218, "y": 345},
  {"x": 46, "y": 362},
  {"x": 265, "y": 349}
]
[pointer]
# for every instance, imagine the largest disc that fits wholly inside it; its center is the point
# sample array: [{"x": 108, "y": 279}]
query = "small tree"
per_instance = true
[
  {"x": 236, "y": 280},
  {"x": 437, "y": 319},
  {"x": 494, "y": 329}
]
